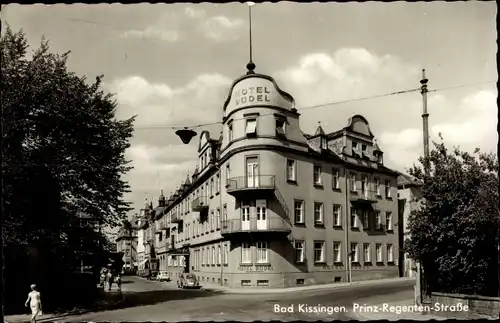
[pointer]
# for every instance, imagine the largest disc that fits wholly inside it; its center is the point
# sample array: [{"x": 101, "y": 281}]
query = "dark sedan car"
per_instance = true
[{"x": 188, "y": 281}]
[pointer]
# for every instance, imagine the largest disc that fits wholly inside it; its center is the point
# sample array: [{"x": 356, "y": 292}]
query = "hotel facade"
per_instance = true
[{"x": 270, "y": 206}]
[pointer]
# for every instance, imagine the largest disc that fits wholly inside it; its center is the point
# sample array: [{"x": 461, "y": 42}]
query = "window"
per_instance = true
[
  {"x": 366, "y": 252},
  {"x": 366, "y": 223},
  {"x": 262, "y": 252},
  {"x": 245, "y": 253},
  {"x": 224, "y": 214},
  {"x": 217, "y": 182},
  {"x": 212, "y": 187},
  {"x": 230, "y": 132},
  {"x": 219, "y": 253},
  {"x": 251, "y": 128},
  {"x": 378, "y": 220},
  {"x": 262, "y": 282},
  {"x": 299, "y": 251},
  {"x": 317, "y": 175},
  {"x": 318, "y": 213},
  {"x": 300, "y": 281},
  {"x": 378, "y": 250},
  {"x": 217, "y": 218},
  {"x": 353, "y": 182},
  {"x": 319, "y": 251},
  {"x": 212, "y": 220},
  {"x": 377, "y": 185},
  {"x": 228, "y": 172},
  {"x": 299, "y": 212},
  {"x": 354, "y": 220},
  {"x": 280, "y": 127},
  {"x": 388, "y": 221},
  {"x": 335, "y": 179},
  {"x": 354, "y": 145},
  {"x": 390, "y": 255},
  {"x": 363, "y": 147},
  {"x": 226, "y": 253},
  {"x": 291, "y": 170},
  {"x": 336, "y": 215},
  {"x": 214, "y": 258},
  {"x": 336, "y": 252},
  {"x": 246, "y": 283},
  {"x": 202, "y": 162},
  {"x": 388, "y": 188},
  {"x": 354, "y": 252}
]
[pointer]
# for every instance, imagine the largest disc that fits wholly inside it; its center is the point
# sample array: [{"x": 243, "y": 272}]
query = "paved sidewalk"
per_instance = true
[
  {"x": 406, "y": 309},
  {"x": 264, "y": 290},
  {"x": 110, "y": 299}
]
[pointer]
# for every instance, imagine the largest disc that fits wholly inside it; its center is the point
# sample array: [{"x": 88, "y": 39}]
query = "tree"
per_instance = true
[
  {"x": 454, "y": 233},
  {"x": 63, "y": 152}
]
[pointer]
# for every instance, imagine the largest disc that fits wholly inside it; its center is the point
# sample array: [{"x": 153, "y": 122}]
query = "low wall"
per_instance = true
[{"x": 476, "y": 304}]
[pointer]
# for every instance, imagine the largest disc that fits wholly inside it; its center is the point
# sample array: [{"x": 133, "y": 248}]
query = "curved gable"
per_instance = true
[
  {"x": 360, "y": 125},
  {"x": 204, "y": 138}
]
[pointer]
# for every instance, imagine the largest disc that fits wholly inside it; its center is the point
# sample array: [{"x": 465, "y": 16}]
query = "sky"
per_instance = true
[{"x": 173, "y": 65}]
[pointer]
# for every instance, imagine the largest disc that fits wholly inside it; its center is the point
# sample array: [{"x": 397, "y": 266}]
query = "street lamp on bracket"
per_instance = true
[{"x": 186, "y": 135}]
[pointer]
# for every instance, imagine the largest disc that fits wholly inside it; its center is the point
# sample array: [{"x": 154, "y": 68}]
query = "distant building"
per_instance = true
[
  {"x": 408, "y": 190},
  {"x": 270, "y": 206},
  {"x": 126, "y": 242}
]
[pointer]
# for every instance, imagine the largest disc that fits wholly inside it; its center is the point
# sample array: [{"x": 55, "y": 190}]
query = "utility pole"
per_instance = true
[{"x": 425, "y": 121}]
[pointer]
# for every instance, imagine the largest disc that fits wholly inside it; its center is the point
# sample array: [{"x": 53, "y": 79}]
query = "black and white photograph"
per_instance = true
[{"x": 250, "y": 161}]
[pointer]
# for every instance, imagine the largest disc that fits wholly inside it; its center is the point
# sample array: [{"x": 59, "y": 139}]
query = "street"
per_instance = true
[{"x": 154, "y": 301}]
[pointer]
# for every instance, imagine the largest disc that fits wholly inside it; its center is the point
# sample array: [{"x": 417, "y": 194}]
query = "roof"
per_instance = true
[
  {"x": 319, "y": 131},
  {"x": 405, "y": 180}
]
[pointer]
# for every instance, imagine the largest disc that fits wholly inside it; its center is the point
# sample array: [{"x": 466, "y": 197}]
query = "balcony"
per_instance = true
[
  {"x": 244, "y": 185},
  {"x": 199, "y": 204},
  {"x": 363, "y": 196},
  {"x": 274, "y": 226}
]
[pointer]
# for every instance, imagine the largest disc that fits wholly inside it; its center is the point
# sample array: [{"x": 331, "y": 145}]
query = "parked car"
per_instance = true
[
  {"x": 163, "y": 276},
  {"x": 152, "y": 274},
  {"x": 188, "y": 281}
]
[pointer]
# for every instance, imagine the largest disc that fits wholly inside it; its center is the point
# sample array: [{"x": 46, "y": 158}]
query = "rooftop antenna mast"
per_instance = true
[{"x": 250, "y": 65}]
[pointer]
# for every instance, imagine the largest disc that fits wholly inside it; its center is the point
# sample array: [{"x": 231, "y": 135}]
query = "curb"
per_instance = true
[
  {"x": 49, "y": 318},
  {"x": 227, "y": 290}
]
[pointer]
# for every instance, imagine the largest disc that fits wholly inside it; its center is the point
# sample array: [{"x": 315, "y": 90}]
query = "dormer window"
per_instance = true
[
  {"x": 354, "y": 145},
  {"x": 230, "y": 132},
  {"x": 251, "y": 127},
  {"x": 324, "y": 144},
  {"x": 202, "y": 161},
  {"x": 363, "y": 148},
  {"x": 280, "y": 126}
]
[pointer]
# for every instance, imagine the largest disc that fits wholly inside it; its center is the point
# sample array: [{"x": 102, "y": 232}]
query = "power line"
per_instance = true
[{"x": 315, "y": 106}]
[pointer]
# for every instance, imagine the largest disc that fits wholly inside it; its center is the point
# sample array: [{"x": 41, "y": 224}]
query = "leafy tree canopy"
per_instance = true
[{"x": 454, "y": 233}]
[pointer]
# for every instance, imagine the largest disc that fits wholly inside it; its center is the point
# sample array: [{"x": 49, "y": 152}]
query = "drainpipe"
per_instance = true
[{"x": 347, "y": 249}]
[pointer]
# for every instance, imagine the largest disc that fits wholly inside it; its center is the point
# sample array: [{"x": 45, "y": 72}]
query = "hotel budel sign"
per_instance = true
[{"x": 257, "y": 91}]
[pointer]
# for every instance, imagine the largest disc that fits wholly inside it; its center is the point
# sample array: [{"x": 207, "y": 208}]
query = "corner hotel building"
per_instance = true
[{"x": 270, "y": 206}]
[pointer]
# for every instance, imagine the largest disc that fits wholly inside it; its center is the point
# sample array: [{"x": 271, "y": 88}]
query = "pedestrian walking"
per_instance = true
[
  {"x": 35, "y": 303},
  {"x": 110, "y": 280},
  {"x": 118, "y": 281}
]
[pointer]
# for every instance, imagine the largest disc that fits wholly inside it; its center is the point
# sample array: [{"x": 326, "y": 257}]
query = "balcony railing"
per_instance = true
[
  {"x": 251, "y": 183},
  {"x": 255, "y": 226},
  {"x": 363, "y": 196},
  {"x": 199, "y": 204}
]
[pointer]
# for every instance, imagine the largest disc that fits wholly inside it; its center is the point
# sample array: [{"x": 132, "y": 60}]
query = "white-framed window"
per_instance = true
[
  {"x": 366, "y": 221},
  {"x": 228, "y": 171},
  {"x": 226, "y": 253},
  {"x": 299, "y": 251},
  {"x": 246, "y": 256},
  {"x": 280, "y": 126},
  {"x": 378, "y": 220},
  {"x": 251, "y": 126},
  {"x": 212, "y": 220},
  {"x": 214, "y": 257},
  {"x": 388, "y": 221},
  {"x": 354, "y": 252},
  {"x": 319, "y": 251},
  {"x": 217, "y": 182},
  {"x": 378, "y": 250},
  {"x": 377, "y": 185},
  {"x": 219, "y": 253},
  {"x": 337, "y": 209},
  {"x": 353, "y": 181},
  {"x": 212, "y": 191},
  {"x": 299, "y": 211},
  {"x": 335, "y": 179},
  {"x": 366, "y": 252},
  {"x": 318, "y": 213},
  {"x": 388, "y": 188},
  {"x": 291, "y": 170},
  {"x": 217, "y": 218},
  {"x": 230, "y": 132},
  {"x": 354, "y": 218},
  {"x": 317, "y": 175},
  {"x": 337, "y": 254},
  {"x": 261, "y": 249},
  {"x": 224, "y": 213},
  {"x": 390, "y": 254}
]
